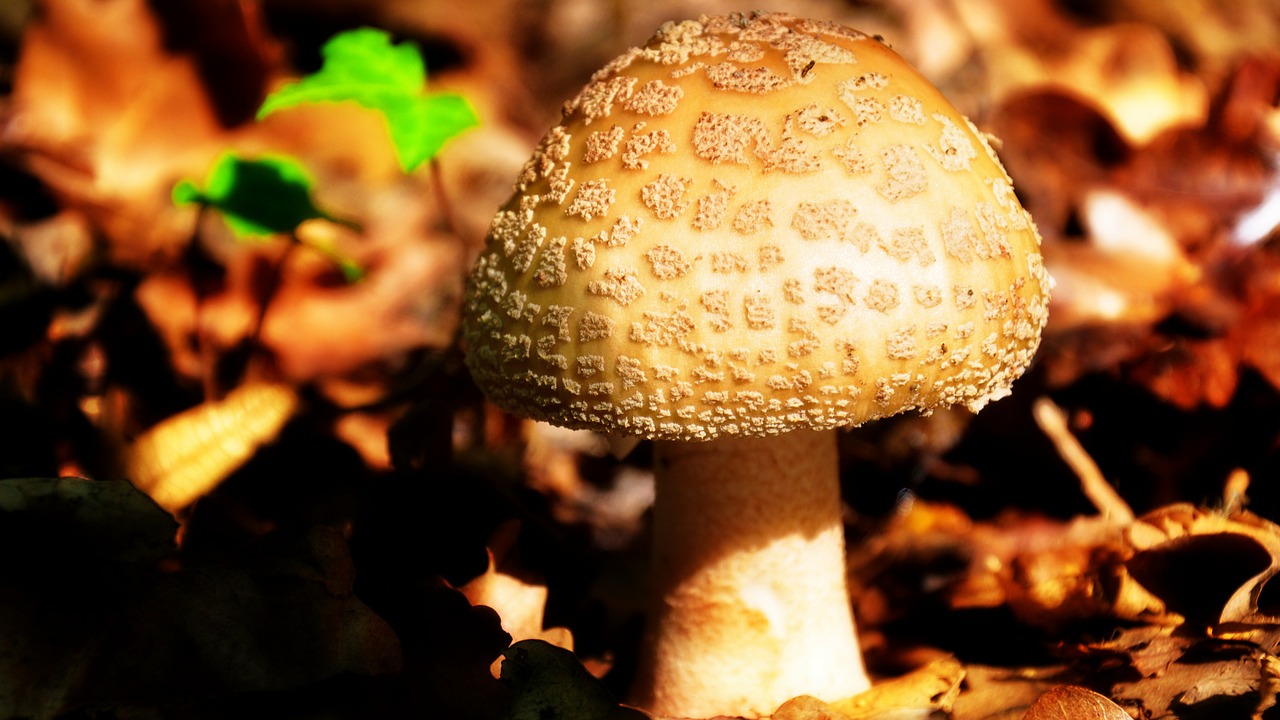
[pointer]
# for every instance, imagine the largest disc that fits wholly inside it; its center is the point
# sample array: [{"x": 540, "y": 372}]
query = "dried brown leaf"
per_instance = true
[
  {"x": 1057, "y": 147},
  {"x": 1128, "y": 70},
  {"x": 927, "y": 690},
  {"x": 994, "y": 693},
  {"x": 1071, "y": 702},
  {"x": 111, "y": 519},
  {"x": 1221, "y": 679},
  {"x": 1148, "y": 649},
  {"x": 106, "y": 116},
  {"x": 1209, "y": 567},
  {"x": 1053, "y": 573},
  {"x": 1190, "y": 373}
]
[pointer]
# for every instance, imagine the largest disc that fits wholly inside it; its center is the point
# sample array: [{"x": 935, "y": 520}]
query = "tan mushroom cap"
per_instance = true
[{"x": 750, "y": 225}]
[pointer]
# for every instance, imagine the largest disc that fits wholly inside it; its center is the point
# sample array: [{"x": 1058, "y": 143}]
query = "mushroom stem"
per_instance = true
[{"x": 751, "y": 605}]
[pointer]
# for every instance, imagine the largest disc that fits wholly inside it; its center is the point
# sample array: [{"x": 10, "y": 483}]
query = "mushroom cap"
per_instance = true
[{"x": 754, "y": 224}]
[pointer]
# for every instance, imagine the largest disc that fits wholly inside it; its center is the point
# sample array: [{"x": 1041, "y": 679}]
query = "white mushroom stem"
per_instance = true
[{"x": 751, "y": 606}]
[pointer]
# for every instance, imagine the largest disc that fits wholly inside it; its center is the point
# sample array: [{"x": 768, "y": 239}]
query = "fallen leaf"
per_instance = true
[
  {"x": 996, "y": 693},
  {"x": 98, "y": 520},
  {"x": 449, "y": 649},
  {"x": 185, "y": 456},
  {"x": 1070, "y": 702},
  {"x": 1211, "y": 679},
  {"x": 1057, "y": 148},
  {"x": 518, "y": 602},
  {"x": 920, "y": 693},
  {"x": 106, "y": 116},
  {"x": 1190, "y": 373},
  {"x": 1206, "y": 566},
  {"x": 280, "y": 616},
  {"x": 1128, "y": 70},
  {"x": 1147, "y": 649},
  {"x": 550, "y": 682}
]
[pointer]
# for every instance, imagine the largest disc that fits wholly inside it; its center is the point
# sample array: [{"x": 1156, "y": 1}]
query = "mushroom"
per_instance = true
[{"x": 750, "y": 232}]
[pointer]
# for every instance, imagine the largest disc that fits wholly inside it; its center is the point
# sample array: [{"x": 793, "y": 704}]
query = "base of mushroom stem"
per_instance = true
[{"x": 752, "y": 606}]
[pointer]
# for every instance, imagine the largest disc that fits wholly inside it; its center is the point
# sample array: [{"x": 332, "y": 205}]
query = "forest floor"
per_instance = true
[{"x": 237, "y": 483}]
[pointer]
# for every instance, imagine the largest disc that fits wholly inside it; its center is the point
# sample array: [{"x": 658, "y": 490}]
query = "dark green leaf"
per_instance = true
[
  {"x": 73, "y": 519},
  {"x": 258, "y": 198},
  {"x": 549, "y": 682}
]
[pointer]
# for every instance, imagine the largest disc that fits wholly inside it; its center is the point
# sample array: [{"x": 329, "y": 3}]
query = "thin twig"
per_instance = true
[
  {"x": 274, "y": 280},
  {"x": 208, "y": 375},
  {"x": 447, "y": 216},
  {"x": 1053, "y": 421}
]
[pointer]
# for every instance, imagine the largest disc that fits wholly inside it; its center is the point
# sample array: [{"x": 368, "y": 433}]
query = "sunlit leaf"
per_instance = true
[
  {"x": 924, "y": 692},
  {"x": 187, "y": 455},
  {"x": 363, "y": 66},
  {"x": 519, "y": 603}
]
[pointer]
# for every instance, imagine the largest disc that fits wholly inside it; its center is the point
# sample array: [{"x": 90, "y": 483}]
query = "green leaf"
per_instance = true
[
  {"x": 365, "y": 67},
  {"x": 258, "y": 198}
]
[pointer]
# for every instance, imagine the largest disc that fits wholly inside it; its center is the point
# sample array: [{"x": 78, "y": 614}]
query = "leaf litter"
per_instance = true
[{"x": 1114, "y": 558}]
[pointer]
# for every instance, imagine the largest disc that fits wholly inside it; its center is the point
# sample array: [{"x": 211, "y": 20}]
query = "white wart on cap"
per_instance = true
[{"x": 750, "y": 225}]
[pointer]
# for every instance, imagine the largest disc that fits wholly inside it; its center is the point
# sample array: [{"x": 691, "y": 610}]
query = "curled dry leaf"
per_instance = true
[
  {"x": 1073, "y": 571},
  {"x": 1208, "y": 567},
  {"x": 1047, "y": 572}
]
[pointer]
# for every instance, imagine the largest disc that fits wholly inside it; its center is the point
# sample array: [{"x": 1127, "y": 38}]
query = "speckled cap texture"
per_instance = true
[{"x": 750, "y": 225}]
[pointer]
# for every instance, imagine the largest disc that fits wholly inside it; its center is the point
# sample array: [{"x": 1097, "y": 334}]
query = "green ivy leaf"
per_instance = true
[
  {"x": 258, "y": 198},
  {"x": 365, "y": 67}
]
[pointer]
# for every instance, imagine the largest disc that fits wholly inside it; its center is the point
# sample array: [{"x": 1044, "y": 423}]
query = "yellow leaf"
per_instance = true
[{"x": 185, "y": 456}]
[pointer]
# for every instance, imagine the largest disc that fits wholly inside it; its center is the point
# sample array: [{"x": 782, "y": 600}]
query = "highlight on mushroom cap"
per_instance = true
[{"x": 753, "y": 224}]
